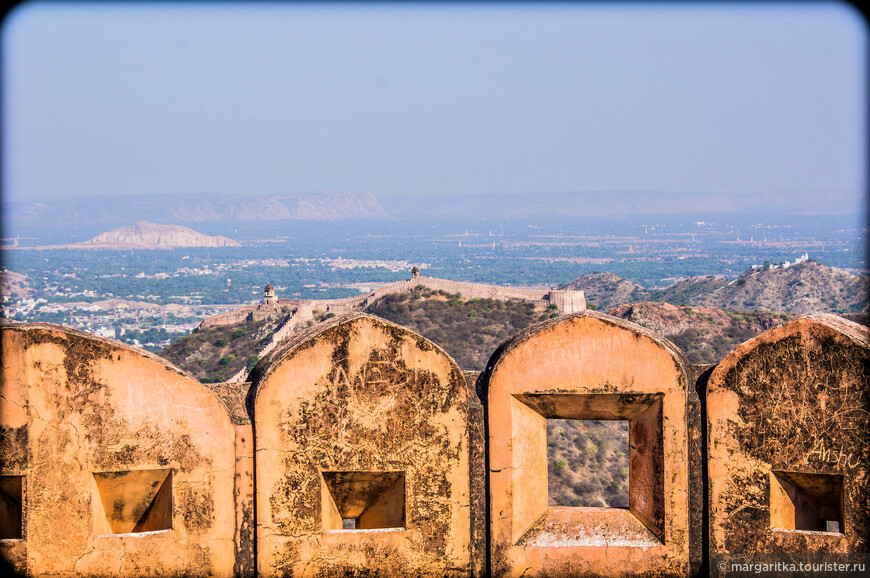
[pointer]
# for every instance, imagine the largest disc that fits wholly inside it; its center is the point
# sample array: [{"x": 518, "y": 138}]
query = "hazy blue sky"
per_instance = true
[{"x": 398, "y": 99}]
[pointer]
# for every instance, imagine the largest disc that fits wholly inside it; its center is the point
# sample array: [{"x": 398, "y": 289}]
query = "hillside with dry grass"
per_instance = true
[
  {"x": 468, "y": 329},
  {"x": 217, "y": 353}
]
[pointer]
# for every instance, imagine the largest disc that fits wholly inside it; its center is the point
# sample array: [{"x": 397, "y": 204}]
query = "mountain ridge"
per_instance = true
[{"x": 197, "y": 208}]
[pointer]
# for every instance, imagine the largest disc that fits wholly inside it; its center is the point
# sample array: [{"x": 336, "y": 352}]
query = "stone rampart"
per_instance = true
[
  {"x": 358, "y": 447},
  {"x": 789, "y": 423},
  {"x": 113, "y": 460}
]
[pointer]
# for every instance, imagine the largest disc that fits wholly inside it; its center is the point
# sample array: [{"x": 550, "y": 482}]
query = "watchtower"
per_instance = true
[{"x": 269, "y": 295}]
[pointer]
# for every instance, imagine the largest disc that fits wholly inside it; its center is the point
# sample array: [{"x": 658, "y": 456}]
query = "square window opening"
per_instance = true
[
  {"x": 808, "y": 502},
  {"x": 136, "y": 501},
  {"x": 362, "y": 500},
  {"x": 588, "y": 463},
  {"x": 11, "y": 511},
  {"x": 645, "y": 477}
]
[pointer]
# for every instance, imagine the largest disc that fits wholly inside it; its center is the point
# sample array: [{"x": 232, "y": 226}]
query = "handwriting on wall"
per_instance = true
[{"x": 829, "y": 455}]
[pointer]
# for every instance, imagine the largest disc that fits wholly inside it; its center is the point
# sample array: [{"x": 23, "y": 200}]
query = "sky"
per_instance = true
[{"x": 431, "y": 99}]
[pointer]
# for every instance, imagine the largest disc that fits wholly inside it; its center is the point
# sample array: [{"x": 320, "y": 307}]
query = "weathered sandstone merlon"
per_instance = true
[
  {"x": 120, "y": 463},
  {"x": 789, "y": 441},
  {"x": 362, "y": 454},
  {"x": 588, "y": 366}
]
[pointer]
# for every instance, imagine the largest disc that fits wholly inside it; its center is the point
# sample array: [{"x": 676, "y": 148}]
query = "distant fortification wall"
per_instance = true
[{"x": 567, "y": 301}]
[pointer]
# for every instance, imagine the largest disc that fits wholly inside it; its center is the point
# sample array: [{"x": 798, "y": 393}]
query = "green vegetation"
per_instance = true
[
  {"x": 468, "y": 330},
  {"x": 217, "y": 353},
  {"x": 588, "y": 463}
]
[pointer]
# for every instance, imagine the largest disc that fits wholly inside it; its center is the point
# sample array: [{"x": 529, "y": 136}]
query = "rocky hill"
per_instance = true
[
  {"x": 704, "y": 334},
  {"x": 145, "y": 235},
  {"x": 14, "y": 284},
  {"x": 606, "y": 290},
  {"x": 468, "y": 329},
  {"x": 217, "y": 353},
  {"x": 805, "y": 288},
  {"x": 808, "y": 287}
]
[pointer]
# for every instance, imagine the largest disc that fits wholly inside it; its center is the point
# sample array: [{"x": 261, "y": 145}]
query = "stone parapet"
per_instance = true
[
  {"x": 588, "y": 366},
  {"x": 788, "y": 419},
  {"x": 358, "y": 447},
  {"x": 362, "y": 454}
]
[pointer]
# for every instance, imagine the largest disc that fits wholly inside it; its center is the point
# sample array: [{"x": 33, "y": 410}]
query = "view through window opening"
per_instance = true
[{"x": 588, "y": 463}]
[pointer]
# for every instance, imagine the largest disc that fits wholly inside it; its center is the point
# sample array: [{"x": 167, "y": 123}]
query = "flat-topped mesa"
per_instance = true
[{"x": 565, "y": 300}]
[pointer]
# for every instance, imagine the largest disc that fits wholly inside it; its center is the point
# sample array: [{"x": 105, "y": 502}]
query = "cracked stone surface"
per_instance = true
[
  {"x": 360, "y": 394},
  {"x": 72, "y": 405},
  {"x": 793, "y": 399}
]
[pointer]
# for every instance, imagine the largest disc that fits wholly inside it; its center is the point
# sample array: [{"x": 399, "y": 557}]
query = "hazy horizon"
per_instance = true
[{"x": 433, "y": 99}]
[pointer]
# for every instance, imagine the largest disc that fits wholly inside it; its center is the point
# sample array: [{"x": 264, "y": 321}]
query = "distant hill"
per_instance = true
[
  {"x": 808, "y": 287},
  {"x": 608, "y": 203},
  {"x": 704, "y": 334},
  {"x": 14, "y": 284},
  {"x": 195, "y": 208},
  {"x": 606, "y": 290},
  {"x": 145, "y": 235}
]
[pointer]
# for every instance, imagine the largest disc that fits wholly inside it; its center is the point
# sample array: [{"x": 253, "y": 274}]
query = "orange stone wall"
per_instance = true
[
  {"x": 587, "y": 366},
  {"x": 360, "y": 418},
  {"x": 114, "y": 462},
  {"x": 791, "y": 408},
  {"x": 77, "y": 411}
]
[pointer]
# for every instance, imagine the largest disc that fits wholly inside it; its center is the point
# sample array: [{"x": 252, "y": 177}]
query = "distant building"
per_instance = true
[
  {"x": 415, "y": 272},
  {"x": 269, "y": 295}
]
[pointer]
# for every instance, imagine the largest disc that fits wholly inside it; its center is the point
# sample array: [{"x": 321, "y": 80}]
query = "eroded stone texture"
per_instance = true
[
  {"x": 358, "y": 395},
  {"x": 233, "y": 395},
  {"x": 788, "y": 420},
  {"x": 74, "y": 405},
  {"x": 588, "y": 366},
  {"x": 477, "y": 475}
]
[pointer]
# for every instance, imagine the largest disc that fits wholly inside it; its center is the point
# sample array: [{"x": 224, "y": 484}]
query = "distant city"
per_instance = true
[{"x": 149, "y": 297}]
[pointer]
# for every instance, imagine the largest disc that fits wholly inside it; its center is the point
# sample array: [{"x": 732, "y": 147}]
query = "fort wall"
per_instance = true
[
  {"x": 122, "y": 463},
  {"x": 113, "y": 461},
  {"x": 588, "y": 366},
  {"x": 567, "y": 301},
  {"x": 788, "y": 422},
  {"x": 365, "y": 422}
]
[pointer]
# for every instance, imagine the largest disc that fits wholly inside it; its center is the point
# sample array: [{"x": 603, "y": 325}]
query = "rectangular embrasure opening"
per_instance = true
[
  {"x": 809, "y": 502},
  {"x": 363, "y": 500},
  {"x": 588, "y": 463},
  {"x": 11, "y": 519},
  {"x": 136, "y": 501}
]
